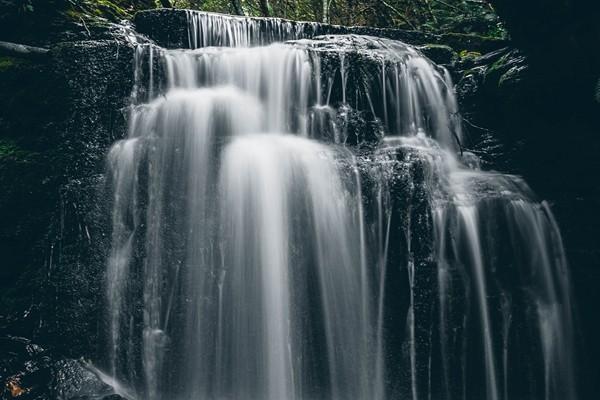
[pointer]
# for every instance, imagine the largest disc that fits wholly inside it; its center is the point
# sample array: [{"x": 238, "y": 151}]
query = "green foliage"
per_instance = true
[
  {"x": 469, "y": 54},
  {"x": 9, "y": 150},
  {"x": 26, "y": 6},
  {"x": 90, "y": 9},
  {"x": 7, "y": 63},
  {"x": 462, "y": 16},
  {"x": 436, "y": 16}
]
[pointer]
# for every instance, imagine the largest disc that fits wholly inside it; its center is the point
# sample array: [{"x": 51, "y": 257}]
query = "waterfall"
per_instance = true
[
  {"x": 298, "y": 220},
  {"x": 207, "y": 29},
  {"x": 292, "y": 232}
]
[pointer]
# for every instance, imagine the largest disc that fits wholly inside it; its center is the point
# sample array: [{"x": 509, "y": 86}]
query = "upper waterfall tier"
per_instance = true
[{"x": 170, "y": 28}]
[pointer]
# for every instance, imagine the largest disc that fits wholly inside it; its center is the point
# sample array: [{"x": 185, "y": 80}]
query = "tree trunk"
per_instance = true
[
  {"x": 237, "y": 7},
  {"x": 196, "y": 4},
  {"x": 325, "y": 11},
  {"x": 264, "y": 8},
  {"x": 166, "y": 3}
]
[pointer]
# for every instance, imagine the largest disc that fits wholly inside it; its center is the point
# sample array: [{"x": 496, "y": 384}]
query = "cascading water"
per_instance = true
[
  {"x": 292, "y": 221},
  {"x": 292, "y": 231}
]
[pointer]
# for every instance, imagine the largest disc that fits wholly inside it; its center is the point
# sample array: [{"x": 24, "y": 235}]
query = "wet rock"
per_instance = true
[
  {"x": 28, "y": 371},
  {"x": 406, "y": 36},
  {"x": 73, "y": 380},
  {"x": 359, "y": 128},
  {"x": 492, "y": 90},
  {"x": 395, "y": 179},
  {"x": 469, "y": 87},
  {"x": 71, "y": 304},
  {"x": 60, "y": 121},
  {"x": 168, "y": 28},
  {"x": 439, "y": 54},
  {"x": 496, "y": 80},
  {"x": 26, "y": 172},
  {"x": 98, "y": 78}
]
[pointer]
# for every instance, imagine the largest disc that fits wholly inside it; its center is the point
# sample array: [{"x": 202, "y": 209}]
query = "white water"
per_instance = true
[
  {"x": 252, "y": 258},
  {"x": 491, "y": 237},
  {"x": 207, "y": 30},
  {"x": 292, "y": 223}
]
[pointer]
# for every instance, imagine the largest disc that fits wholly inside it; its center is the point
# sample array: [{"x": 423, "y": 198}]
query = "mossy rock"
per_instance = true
[
  {"x": 55, "y": 128},
  {"x": 439, "y": 53},
  {"x": 510, "y": 64}
]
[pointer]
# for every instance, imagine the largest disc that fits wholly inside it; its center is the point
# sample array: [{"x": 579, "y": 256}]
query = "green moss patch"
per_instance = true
[
  {"x": 11, "y": 151},
  {"x": 96, "y": 12},
  {"x": 8, "y": 63}
]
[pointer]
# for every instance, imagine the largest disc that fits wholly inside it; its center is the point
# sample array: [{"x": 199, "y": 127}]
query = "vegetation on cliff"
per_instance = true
[{"x": 39, "y": 21}]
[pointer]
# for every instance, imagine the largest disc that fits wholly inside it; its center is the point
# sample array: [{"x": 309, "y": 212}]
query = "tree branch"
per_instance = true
[
  {"x": 22, "y": 50},
  {"x": 402, "y": 16},
  {"x": 431, "y": 11},
  {"x": 237, "y": 7},
  {"x": 452, "y": 6}
]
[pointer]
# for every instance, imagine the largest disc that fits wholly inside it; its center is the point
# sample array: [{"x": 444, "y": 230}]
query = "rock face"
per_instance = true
[
  {"x": 440, "y": 54},
  {"x": 74, "y": 380},
  {"x": 58, "y": 123}
]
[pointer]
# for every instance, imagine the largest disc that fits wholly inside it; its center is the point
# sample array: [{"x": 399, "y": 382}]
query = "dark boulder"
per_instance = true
[
  {"x": 57, "y": 125},
  {"x": 439, "y": 54},
  {"x": 28, "y": 371},
  {"x": 498, "y": 81},
  {"x": 72, "y": 379}
]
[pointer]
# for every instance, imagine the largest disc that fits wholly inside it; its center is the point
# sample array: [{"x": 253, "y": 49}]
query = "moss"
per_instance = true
[
  {"x": 105, "y": 8},
  {"x": 11, "y": 151},
  {"x": 7, "y": 63},
  {"x": 467, "y": 58},
  {"x": 499, "y": 64},
  {"x": 96, "y": 11},
  {"x": 469, "y": 54}
]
